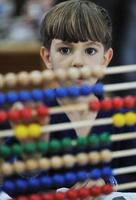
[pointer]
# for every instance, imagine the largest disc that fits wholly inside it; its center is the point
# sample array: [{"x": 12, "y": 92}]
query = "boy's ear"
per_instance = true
[
  {"x": 45, "y": 55},
  {"x": 108, "y": 56}
]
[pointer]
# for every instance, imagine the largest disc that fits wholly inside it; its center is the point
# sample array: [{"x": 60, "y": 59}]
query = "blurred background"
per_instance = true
[{"x": 20, "y": 40}]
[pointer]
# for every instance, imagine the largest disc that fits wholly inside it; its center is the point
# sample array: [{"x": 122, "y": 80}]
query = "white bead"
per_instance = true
[
  {"x": 73, "y": 73},
  {"x": 106, "y": 156},
  {"x": 69, "y": 161},
  {"x": 60, "y": 74},
  {"x": 98, "y": 71},
  {"x": 35, "y": 77},
  {"x": 1, "y": 81},
  {"x": 10, "y": 79},
  {"x": 94, "y": 157},
  {"x": 85, "y": 72},
  {"x": 82, "y": 158},
  {"x": 23, "y": 78},
  {"x": 44, "y": 164},
  {"x": 56, "y": 162},
  {"x": 48, "y": 75}
]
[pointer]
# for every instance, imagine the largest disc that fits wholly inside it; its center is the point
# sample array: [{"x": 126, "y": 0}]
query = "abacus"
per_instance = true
[{"x": 33, "y": 167}]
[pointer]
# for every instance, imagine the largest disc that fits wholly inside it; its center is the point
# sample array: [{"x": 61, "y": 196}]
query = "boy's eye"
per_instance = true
[
  {"x": 64, "y": 50},
  {"x": 91, "y": 51}
]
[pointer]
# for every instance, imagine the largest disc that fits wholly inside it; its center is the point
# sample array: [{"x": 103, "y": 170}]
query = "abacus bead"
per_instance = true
[
  {"x": 42, "y": 146},
  {"x": 82, "y": 159},
  {"x": 73, "y": 73},
  {"x": 95, "y": 174},
  {"x": 85, "y": 90},
  {"x": 9, "y": 187},
  {"x": 94, "y": 158},
  {"x": 81, "y": 142},
  {"x": 33, "y": 184},
  {"x": 106, "y": 156},
  {"x": 29, "y": 148},
  {"x": 85, "y": 72},
  {"x": 61, "y": 93},
  {"x": 107, "y": 189},
  {"x": 26, "y": 114},
  {"x": 17, "y": 149},
  {"x": 44, "y": 164},
  {"x": 34, "y": 130},
  {"x": 56, "y": 162},
  {"x": 84, "y": 193},
  {"x": 10, "y": 80},
  {"x": 37, "y": 95},
  {"x": 66, "y": 144},
  {"x": 19, "y": 167},
  {"x": 54, "y": 146},
  {"x": 5, "y": 151},
  {"x": 118, "y": 120},
  {"x": 24, "y": 96},
  {"x": 104, "y": 139},
  {"x": 35, "y": 77},
  {"x": 73, "y": 91},
  {"x": 93, "y": 140},
  {"x": 23, "y": 198},
  {"x": 98, "y": 71},
  {"x": 31, "y": 164},
  {"x": 6, "y": 169},
  {"x": 117, "y": 103},
  {"x": 23, "y": 78},
  {"x": 48, "y": 75},
  {"x": 14, "y": 115},
  {"x": 58, "y": 180},
  {"x": 2, "y": 99},
  {"x": 47, "y": 197},
  {"x": 82, "y": 176},
  {"x": 49, "y": 94},
  {"x": 46, "y": 182},
  {"x": 59, "y": 196},
  {"x": 106, "y": 172},
  {"x": 68, "y": 160},
  {"x": 21, "y": 185},
  {"x": 42, "y": 111},
  {"x": 72, "y": 194},
  {"x": 130, "y": 119},
  {"x": 1, "y": 81},
  {"x": 3, "y": 116},
  {"x": 12, "y": 97},
  {"x": 129, "y": 102},
  {"x": 94, "y": 105},
  {"x": 21, "y": 132},
  {"x": 98, "y": 89},
  {"x": 106, "y": 104},
  {"x": 61, "y": 74},
  {"x": 35, "y": 197},
  {"x": 70, "y": 179},
  {"x": 95, "y": 191}
]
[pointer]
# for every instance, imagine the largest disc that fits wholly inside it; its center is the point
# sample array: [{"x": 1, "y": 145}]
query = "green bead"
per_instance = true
[
  {"x": 17, "y": 150},
  {"x": 5, "y": 151},
  {"x": 82, "y": 142},
  {"x": 93, "y": 140},
  {"x": 105, "y": 139},
  {"x": 66, "y": 144},
  {"x": 29, "y": 148},
  {"x": 42, "y": 147},
  {"x": 54, "y": 146}
]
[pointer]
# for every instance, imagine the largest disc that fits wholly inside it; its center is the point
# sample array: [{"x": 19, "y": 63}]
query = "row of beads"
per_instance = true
[
  {"x": 50, "y": 94},
  {"x": 128, "y": 119},
  {"x": 56, "y": 181},
  {"x": 55, "y": 146},
  {"x": 36, "y": 78},
  {"x": 25, "y": 114},
  {"x": 73, "y": 194},
  {"x": 56, "y": 162}
]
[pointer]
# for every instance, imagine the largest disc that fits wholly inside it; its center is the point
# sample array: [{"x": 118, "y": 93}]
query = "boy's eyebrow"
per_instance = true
[
  {"x": 85, "y": 43},
  {"x": 93, "y": 43}
]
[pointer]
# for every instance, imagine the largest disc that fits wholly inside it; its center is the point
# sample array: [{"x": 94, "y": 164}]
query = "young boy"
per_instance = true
[{"x": 75, "y": 33}]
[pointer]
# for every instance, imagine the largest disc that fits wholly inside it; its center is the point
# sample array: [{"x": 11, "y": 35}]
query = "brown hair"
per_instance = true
[{"x": 77, "y": 20}]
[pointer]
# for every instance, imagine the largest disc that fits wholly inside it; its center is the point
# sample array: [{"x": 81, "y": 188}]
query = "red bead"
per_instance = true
[
  {"x": 117, "y": 103},
  {"x": 47, "y": 197},
  {"x": 84, "y": 193},
  {"x": 14, "y": 115},
  {"x": 3, "y": 116},
  {"x": 35, "y": 197},
  {"x": 94, "y": 105},
  {"x": 42, "y": 111},
  {"x": 72, "y": 194},
  {"x": 107, "y": 189},
  {"x": 26, "y": 114},
  {"x": 95, "y": 191},
  {"x": 59, "y": 196},
  {"x": 129, "y": 102},
  {"x": 106, "y": 104},
  {"x": 23, "y": 198}
]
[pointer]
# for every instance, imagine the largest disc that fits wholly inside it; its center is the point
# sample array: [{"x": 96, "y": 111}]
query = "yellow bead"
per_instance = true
[
  {"x": 21, "y": 132},
  {"x": 34, "y": 131},
  {"x": 130, "y": 118},
  {"x": 118, "y": 120}
]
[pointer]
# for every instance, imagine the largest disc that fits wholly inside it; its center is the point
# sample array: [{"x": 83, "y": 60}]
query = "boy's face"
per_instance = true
[{"x": 64, "y": 55}]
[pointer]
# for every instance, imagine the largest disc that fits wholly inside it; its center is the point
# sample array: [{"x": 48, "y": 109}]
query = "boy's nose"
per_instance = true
[{"x": 77, "y": 62}]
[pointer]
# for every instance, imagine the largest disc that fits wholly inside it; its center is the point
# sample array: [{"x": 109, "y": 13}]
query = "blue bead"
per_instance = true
[
  {"x": 37, "y": 95},
  {"x": 86, "y": 90},
  {"x": 95, "y": 174},
  {"x": 106, "y": 172},
  {"x": 49, "y": 95},
  {"x": 24, "y": 96},
  {"x": 70, "y": 179},
  {"x": 33, "y": 184},
  {"x": 21, "y": 185},
  {"x": 9, "y": 187},
  {"x": 98, "y": 89},
  {"x": 82, "y": 176},
  {"x": 58, "y": 180},
  {"x": 73, "y": 91},
  {"x": 46, "y": 182},
  {"x": 2, "y": 99},
  {"x": 61, "y": 93},
  {"x": 12, "y": 97}
]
